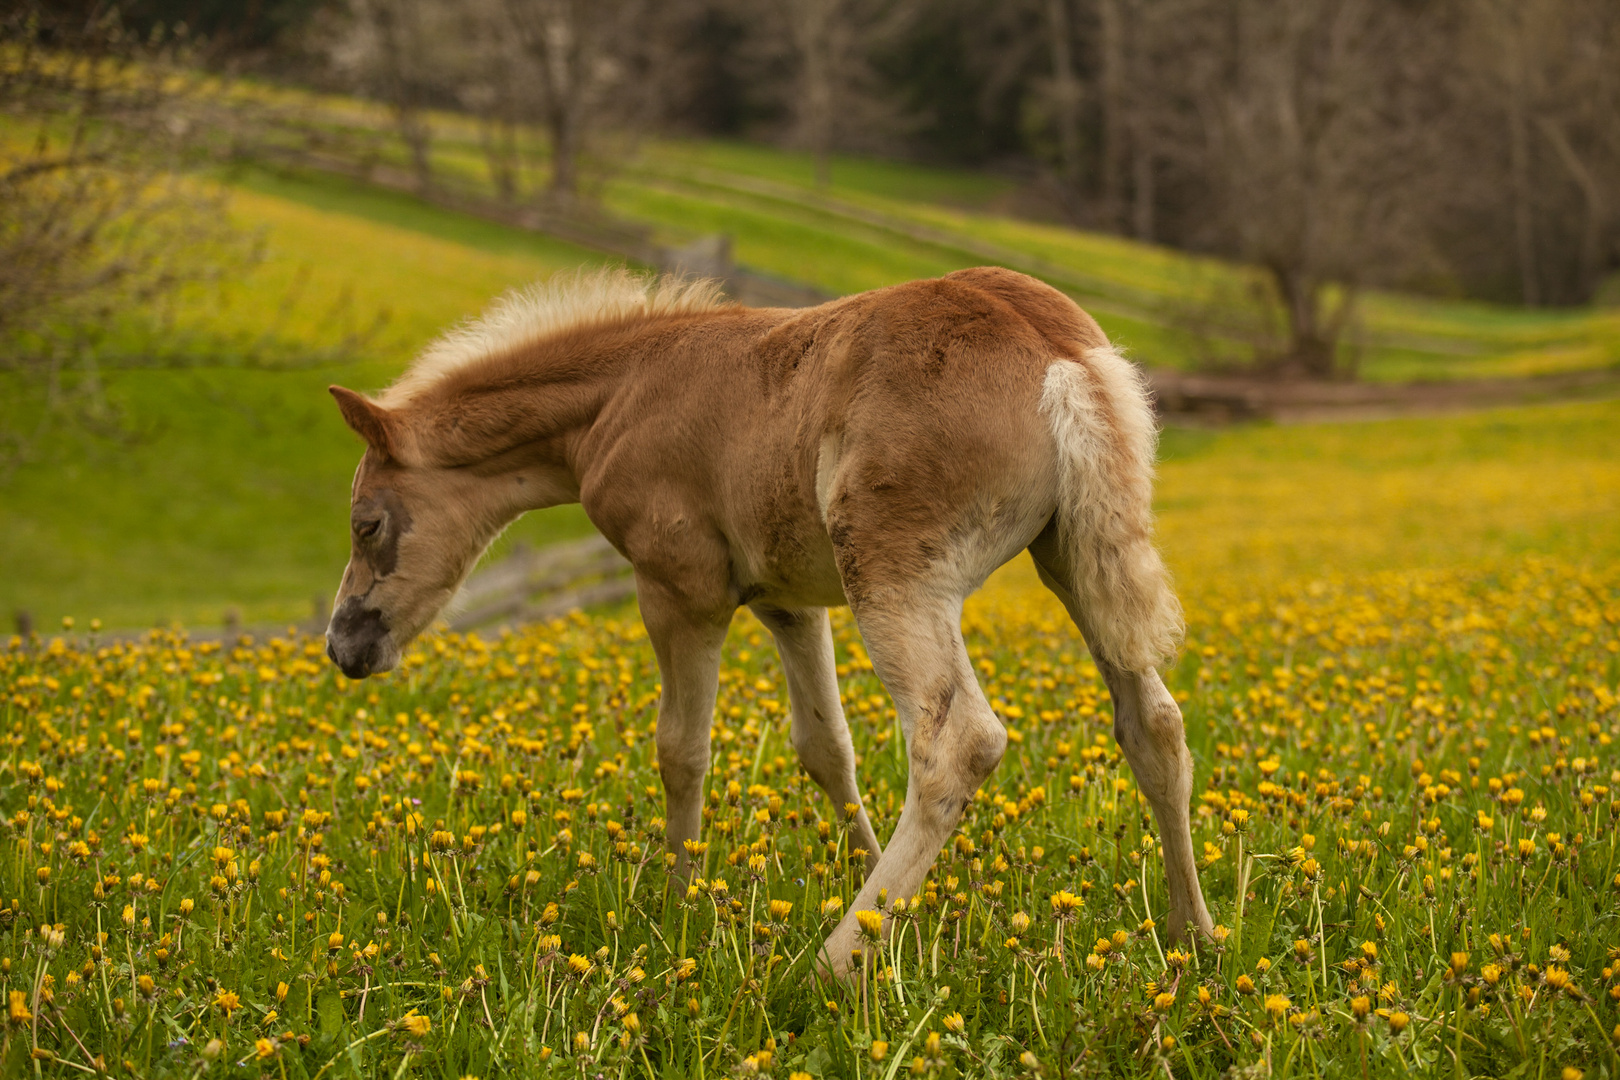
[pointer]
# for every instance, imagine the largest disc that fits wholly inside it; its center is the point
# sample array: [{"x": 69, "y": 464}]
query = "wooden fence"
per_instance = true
[{"x": 535, "y": 584}]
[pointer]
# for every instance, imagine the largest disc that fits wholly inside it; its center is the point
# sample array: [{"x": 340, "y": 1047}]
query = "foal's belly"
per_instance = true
[{"x": 803, "y": 574}]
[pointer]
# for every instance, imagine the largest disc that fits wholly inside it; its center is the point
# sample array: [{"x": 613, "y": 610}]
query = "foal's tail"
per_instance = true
[{"x": 1103, "y": 424}]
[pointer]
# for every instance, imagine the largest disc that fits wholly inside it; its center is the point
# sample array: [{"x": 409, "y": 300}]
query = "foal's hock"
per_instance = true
[{"x": 887, "y": 450}]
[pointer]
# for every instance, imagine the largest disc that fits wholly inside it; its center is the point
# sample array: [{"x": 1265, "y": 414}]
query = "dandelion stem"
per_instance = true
[
  {"x": 1242, "y": 896},
  {"x": 1034, "y": 1010},
  {"x": 1147, "y": 910},
  {"x": 900, "y": 1054}
]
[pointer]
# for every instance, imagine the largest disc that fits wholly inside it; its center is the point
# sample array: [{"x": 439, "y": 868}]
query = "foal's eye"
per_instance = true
[{"x": 365, "y": 530}]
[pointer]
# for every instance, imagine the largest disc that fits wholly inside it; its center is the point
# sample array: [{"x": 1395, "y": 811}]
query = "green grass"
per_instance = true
[
  {"x": 229, "y": 860},
  {"x": 234, "y": 492},
  {"x": 881, "y": 222}
]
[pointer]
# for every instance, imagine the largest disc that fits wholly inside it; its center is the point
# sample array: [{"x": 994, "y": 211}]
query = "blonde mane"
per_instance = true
[{"x": 566, "y": 301}]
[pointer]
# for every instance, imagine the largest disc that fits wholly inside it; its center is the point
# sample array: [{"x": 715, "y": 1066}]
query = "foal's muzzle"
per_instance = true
[{"x": 357, "y": 640}]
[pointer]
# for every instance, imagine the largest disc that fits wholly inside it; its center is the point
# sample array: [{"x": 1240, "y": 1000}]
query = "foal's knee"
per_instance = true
[
  {"x": 824, "y": 750},
  {"x": 681, "y": 766},
  {"x": 950, "y": 761}
]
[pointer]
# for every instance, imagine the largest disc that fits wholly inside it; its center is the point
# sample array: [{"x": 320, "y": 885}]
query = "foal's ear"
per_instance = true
[{"x": 368, "y": 419}]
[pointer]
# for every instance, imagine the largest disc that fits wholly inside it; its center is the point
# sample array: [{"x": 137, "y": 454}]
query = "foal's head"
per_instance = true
[{"x": 415, "y": 530}]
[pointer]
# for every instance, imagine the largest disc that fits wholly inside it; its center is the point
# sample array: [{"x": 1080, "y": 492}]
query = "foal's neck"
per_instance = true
[{"x": 522, "y": 426}]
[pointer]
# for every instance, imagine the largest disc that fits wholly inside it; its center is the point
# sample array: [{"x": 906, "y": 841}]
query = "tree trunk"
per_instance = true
[
  {"x": 812, "y": 35},
  {"x": 1306, "y": 351},
  {"x": 402, "y": 96},
  {"x": 551, "y": 34},
  {"x": 1111, "y": 14},
  {"x": 564, "y": 148},
  {"x": 1066, "y": 91},
  {"x": 1142, "y": 186},
  {"x": 495, "y": 138},
  {"x": 1597, "y": 215},
  {"x": 1519, "y": 160}
]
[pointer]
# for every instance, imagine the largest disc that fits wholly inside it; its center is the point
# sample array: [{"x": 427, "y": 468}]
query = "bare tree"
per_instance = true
[
  {"x": 100, "y": 215},
  {"x": 1550, "y": 72},
  {"x": 582, "y": 52},
  {"x": 834, "y": 98},
  {"x": 1315, "y": 154},
  {"x": 491, "y": 86},
  {"x": 391, "y": 52}
]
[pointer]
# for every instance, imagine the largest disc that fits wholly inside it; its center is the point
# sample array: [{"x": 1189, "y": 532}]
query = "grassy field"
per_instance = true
[
  {"x": 229, "y": 495},
  {"x": 1400, "y": 687},
  {"x": 233, "y": 492},
  {"x": 879, "y": 222}
]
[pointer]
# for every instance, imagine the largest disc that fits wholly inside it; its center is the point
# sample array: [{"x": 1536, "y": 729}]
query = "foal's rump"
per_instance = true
[
  {"x": 937, "y": 466},
  {"x": 1097, "y": 406},
  {"x": 993, "y": 409}
]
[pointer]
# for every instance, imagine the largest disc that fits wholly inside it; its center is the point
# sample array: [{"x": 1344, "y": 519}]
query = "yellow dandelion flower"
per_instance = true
[
  {"x": 1065, "y": 904},
  {"x": 18, "y": 1008}
]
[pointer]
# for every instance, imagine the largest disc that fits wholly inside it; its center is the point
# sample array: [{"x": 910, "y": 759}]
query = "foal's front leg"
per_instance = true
[
  {"x": 688, "y": 648},
  {"x": 820, "y": 734}
]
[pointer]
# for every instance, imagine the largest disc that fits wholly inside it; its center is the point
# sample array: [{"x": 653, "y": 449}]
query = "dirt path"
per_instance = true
[{"x": 1211, "y": 399}]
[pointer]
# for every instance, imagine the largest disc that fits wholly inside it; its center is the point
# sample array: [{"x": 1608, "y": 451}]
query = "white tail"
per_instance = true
[{"x": 1103, "y": 424}]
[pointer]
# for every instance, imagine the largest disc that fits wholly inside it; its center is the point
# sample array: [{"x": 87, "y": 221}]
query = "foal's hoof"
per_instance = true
[{"x": 840, "y": 966}]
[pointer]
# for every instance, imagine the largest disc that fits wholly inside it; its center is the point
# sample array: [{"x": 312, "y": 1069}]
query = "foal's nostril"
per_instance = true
[{"x": 362, "y": 632}]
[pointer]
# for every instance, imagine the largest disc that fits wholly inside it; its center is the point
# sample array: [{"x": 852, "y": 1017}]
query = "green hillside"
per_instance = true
[
  {"x": 232, "y": 492},
  {"x": 881, "y": 222}
]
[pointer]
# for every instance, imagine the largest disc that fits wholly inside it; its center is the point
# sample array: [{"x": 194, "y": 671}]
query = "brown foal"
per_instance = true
[{"x": 887, "y": 450}]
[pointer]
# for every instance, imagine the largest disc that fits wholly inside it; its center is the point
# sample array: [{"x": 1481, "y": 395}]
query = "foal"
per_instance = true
[{"x": 887, "y": 450}]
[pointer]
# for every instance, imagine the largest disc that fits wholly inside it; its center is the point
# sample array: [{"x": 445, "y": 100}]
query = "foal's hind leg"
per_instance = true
[
  {"x": 820, "y": 735},
  {"x": 953, "y": 741},
  {"x": 1148, "y": 727}
]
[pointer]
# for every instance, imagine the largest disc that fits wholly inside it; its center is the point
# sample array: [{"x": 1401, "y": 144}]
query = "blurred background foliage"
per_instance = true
[{"x": 212, "y": 210}]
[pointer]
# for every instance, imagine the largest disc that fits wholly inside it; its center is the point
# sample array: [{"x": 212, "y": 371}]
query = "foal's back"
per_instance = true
[{"x": 801, "y": 455}]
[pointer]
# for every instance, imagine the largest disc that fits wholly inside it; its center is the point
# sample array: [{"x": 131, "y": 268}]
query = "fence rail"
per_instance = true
[{"x": 535, "y": 584}]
